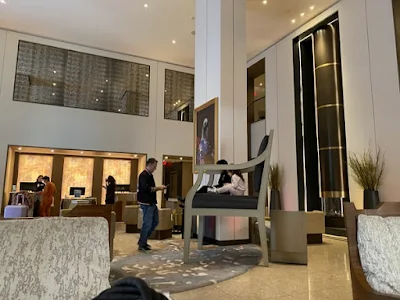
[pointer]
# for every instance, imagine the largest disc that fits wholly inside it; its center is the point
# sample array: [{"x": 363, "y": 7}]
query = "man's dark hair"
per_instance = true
[
  {"x": 222, "y": 162},
  {"x": 46, "y": 178},
  {"x": 151, "y": 161}
]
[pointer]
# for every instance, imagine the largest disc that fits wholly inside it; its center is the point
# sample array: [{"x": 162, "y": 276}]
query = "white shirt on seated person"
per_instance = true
[{"x": 237, "y": 187}]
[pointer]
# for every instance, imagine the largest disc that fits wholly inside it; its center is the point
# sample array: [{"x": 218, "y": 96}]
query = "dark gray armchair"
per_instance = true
[{"x": 226, "y": 205}]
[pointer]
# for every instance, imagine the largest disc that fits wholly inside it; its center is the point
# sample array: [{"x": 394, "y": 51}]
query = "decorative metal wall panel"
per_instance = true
[
  {"x": 53, "y": 76},
  {"x": 179, "y": 95}
]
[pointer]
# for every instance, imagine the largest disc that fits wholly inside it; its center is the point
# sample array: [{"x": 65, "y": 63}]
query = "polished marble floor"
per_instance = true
[{"x": 326, "y": 276}]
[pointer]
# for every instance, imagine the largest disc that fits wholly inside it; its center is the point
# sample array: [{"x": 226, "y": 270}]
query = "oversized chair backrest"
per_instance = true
[{"x": 258, "y": 171}]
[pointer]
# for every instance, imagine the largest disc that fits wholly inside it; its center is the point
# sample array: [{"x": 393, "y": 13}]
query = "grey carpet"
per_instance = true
[{"x": 164, "y": 270}]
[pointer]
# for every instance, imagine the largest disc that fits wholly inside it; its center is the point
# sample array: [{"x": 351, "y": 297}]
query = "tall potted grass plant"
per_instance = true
[
  {"x": 368, "y": 169},
  {"x": 274, "y": 183}
]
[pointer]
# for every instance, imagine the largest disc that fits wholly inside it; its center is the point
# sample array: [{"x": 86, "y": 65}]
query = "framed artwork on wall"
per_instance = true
[{"x": 206, "y": 133}]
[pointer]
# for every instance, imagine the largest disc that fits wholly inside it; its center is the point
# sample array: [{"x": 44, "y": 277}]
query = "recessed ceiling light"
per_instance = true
[
  {"x": 109, "y": 154},
  {"x": 293, "y": 21},
  {"x": 265, "y": 2},
  {"x": 146, "y": 5},
  {"x": 135, "y": 156},
  {"x": 53, "y": 94},
  {"x": 302, "y": 15},
  {"x": 81, "y": 152},
  {"x": 3, "y": 2},
  {"x": 55, "y": 72},
  {"x": 106, "y": 80},
  {"x": 54, "y": 84},
  {"x": 101, "y": 91},
  {"x": 173, "y": 42},
  {"x": 261, "y": 84},
  {"x": 165, "y": 90},
  {"x": 312, "y": 7},
  {"x": 19, "y": 148},
  {"x": 181, "y": 158},
  {"x": 52, "y": 150},
  {"x": 147, "y": 75},
  {"x": 119, "y": 110},
  {"x": 97, "y": 100},
  {"x": 166, "y": 157}
]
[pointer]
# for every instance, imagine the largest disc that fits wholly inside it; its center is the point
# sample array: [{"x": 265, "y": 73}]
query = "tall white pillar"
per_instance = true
[{"x": 221, "y": 71}]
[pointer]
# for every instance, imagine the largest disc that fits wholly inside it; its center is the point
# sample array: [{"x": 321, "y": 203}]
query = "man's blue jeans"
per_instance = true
[{"x": 150, "y": 222}]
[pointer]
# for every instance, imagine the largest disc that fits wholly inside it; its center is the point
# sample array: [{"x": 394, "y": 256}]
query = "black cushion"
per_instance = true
[
  {"x": 224, "y": 201},
  {"x": 258, "y": 171}
]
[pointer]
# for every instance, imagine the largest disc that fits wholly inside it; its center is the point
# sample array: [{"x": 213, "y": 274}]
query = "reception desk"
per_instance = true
[{"x": 70, "y": 203}]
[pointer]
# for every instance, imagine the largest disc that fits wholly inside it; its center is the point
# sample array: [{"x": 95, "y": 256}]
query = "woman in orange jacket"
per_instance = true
[{"x": 47, "y": 197}]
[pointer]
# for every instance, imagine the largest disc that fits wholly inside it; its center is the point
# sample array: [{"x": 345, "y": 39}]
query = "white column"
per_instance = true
[{"x": 220, "y": 71}]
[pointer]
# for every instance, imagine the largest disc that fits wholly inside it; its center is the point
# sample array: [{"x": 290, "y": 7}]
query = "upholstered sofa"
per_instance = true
[
  {"x": 104, "y": 211},
  {"x": 164, "y": 228},
  {"x": 315, "y": 226},
  {"x": 373, "y": 240},
  {"x": 131, "y": 218},
  {"x": 54, "y": 258}
]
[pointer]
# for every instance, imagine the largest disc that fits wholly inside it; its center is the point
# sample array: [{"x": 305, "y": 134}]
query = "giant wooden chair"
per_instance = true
[{"x": 226, "y": 205}]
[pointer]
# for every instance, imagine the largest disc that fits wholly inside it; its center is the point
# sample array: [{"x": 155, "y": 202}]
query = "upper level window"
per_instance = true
[
  {"x": 54, "y": 76},
  {"x": 179, "y": 96}
]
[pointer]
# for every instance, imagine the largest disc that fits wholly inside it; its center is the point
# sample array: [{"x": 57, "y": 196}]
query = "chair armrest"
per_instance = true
[{"x": 193, "y": 190}]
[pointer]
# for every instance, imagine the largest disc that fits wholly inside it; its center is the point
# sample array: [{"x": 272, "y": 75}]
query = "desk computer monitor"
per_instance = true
[
  {"x": 77, "y": 191},
  {"x": 27, "y": 186},
  {"x": 122, "y": 187}
]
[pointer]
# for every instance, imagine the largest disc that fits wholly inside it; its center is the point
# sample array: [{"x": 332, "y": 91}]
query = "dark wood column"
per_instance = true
[
  {"x": 330, "y": 113},
  {"x": 98, "y": 180},
  {"x": 15, "y": 172},
  {"x": 134, "y": 175},
  {"x": 56, "y": 178}
]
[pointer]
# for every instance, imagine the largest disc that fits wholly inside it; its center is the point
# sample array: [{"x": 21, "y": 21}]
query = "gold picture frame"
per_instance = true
[{"x": 205, "y": 119}]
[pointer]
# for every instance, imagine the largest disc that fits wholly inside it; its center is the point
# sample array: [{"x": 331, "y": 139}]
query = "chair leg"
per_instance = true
[
  {"x": 187, "y": 234},
  {"x": 263, "y": 240},
  {"x": 200, "y": 234}
]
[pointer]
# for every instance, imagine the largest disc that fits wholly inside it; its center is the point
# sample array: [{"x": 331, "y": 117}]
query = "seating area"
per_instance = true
[{"x": 85, "y": 222}]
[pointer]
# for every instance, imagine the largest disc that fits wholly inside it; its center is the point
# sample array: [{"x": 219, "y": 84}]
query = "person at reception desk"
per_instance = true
[
  {"x": 147, "y": 198},
  {"x": 110, "y": 189},
  {"x": 39, "y": 187},
  {"x": 39, "y": 184},
  {"x": 47, "y": 197}
]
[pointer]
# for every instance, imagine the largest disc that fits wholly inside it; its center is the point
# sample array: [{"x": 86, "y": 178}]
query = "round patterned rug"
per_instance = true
[{"x": 165, "y": 271}]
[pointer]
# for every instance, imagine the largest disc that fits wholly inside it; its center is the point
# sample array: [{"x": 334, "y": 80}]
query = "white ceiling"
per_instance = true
[{"x": 126, "y": 26}]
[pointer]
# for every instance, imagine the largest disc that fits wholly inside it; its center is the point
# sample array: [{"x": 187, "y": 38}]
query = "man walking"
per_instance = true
[{"x": 147, "y": 198}]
